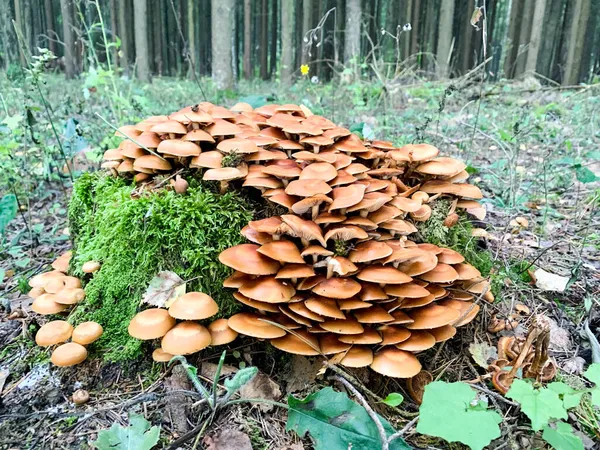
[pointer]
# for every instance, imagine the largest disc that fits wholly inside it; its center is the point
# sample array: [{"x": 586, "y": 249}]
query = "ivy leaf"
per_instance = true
[
  {"x": 569, "y": 396},
  {"x": 540, "y": 405},
  {"x": 449, "y": 411},
  {"x": 162, "y": 288},
  {"x": 337, "y": 423},
  {"x": 393, "y": 399},
  {"x": 562, "y": 437},
  {"x": 593, "y": 374},
  {"x": 137, "y": 436}
]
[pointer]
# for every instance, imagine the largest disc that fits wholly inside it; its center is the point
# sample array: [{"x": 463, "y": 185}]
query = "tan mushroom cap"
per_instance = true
[
  {"x": 221, "y": 127},
  {"x": 458, "y": 189},
  {"x": 466, "y": 271},
  {"x": 367, "y": 337},
  {"x": 169, "y": 127},
  {"x": 330, "y": 344},
  {"x": 46, "y": 304},
  {"x": 53, "y": 333},
  {"x": 346, "y": 233},
  {"x": 62, "y": 262},
  {"x": 420, "y": 152},
  {"x": 208, "y": 160},
  {"x": 467, "y": 310},
  {"x": 442, "y": 166},
  {"x": 374, "y": 314},
  {"x": 358, "y": 356},
  {"x": 442, "y": 273},
  {"x": 346, "y": 326},
  {"x": 223, "y": 174},
  {"x": 376, "y": 273},
  {"x": 315, "y": 250},
  {"x": 291, "y": 343},
  {"x": 393, "y": 335},
  {"x": 396, "y": 363},
  {"x": 338, "y": 288},
  {"x": 220, "y": 332},
  {"x": 152, "y": 323},
  {"x": 87, "y": 332},
  {"x": 250, "y": 324},
  {"x": 159, "y": 355},
  {"x": 185, "y": 338},
  {"x": 325, "y": 307},
  {"x": 449, "y": 256},
  {"x": 256, "y": 304},
  {"x": 193, "y": 306},
  {"x": 151, "y": 162},
  {"x": 408, "y": 290},
  {"x": 418, "y": 341},
  {"x": 128, "y": 131},
  {"x": 431, "y": 316},
  {"x": 176, "y": 147},
  {"x": 297, "y": 319},
  {"x": 36, "y": 292},
  {"x": 247, "y": 259},
  {"x": 90, "y": 266},
  {"x": 69, "y": 296},
  {"x": 400, "y": 318},
  {"x": 55, "y": 285},
  {"x": 307, "y": 187},
  {"x": 410, "y": 303},
  {"x": 346, "y": 196},
  {"x": 348, "y": 304},
  {"x": 306, "y": 230},
  {"x": 40, "y": 280},
  {"x": 198, "y": 136},
  {"x": 372, "y": 292},
  {"x": 268, "y": 289},
  {"x": 443, "y": 333},
  {"x": 321, "y": 171},
  {"x": 295, "y": 271},
  {"x": 69, "y": 354},
  {"x": 301, "y": 309},
  {"x": 282, "y": 251}
]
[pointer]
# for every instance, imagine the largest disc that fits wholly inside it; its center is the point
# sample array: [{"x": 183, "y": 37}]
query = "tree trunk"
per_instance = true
[
  {"x": 142, "y": 56},
  {"x": 524, "y": 36},
  {"x": 123, "y": 22},
  {"x": 274, "y": 39},
  {"x": 287, "y": 41},
  {"x": 191, "y": 38},
  {"x": 416, "y": 26},
  {"x": 50, "y": 26},
  {"x": 548, "y": 53},
  {"x": 68, "y": 39},
  {"x": 113, "y": 32},
  {"x": 591, "y": 44},
  {"x": 222, "y": 28},
  {"x": 19, "y": 21},
  {"x": 264, "y": 41},
  {"x": 306, "y": 24},
  {"x": 537, "y": 26},
  {"x": 27, "y": 26},
  {"x": 444, "y": 42},
  {"x": 248, "y": 39},
  {"x": 353, "y": 25},
  {"x": 514, "y": 24},
  {"x": 576, "y": 41}
]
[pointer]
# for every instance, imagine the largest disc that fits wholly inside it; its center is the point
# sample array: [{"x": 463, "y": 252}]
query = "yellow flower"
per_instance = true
[{"x": 304, "y": 69}]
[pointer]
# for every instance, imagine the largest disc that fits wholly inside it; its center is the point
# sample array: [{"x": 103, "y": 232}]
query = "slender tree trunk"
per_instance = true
[
  {"x": 222, "y": 27},
  {"x": 264, "y": 40},
  {"x": 123, "y": 21},
  {"x": 514, "y": 24},
  {"x": 27, "y": 25},
  {"x": 524, "y": 36},
  {"x": 191, "y": 38},
  {"x": 576, "y": 41},
  {"x": 549, "y": 45},
  {"x": 248, "y": 39},
  {"x": 287, "y": 41},
  {"x": 536, "y": 35},
  {"x": 68, "y": 40},
  {"x": 274, "y": 39},
  {"x": 142, "y": 56},
  {"x": 416, "y": 26},
  {"x": 50, "y": 26},
  {"x": 591, "y": 44},
  {"x": 445, "y": 38},
  {"x": 113, "y": 32},
  {"x": 19, "y": 21},
  {"x": 353, "y": 25},
  {"x": 306, "y": 24},
  {"x": 157, "y": 36}
]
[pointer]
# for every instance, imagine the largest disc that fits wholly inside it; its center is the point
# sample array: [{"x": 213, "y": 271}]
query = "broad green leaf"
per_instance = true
[
  {"x": 139, "y": 435},
  {"x": 540, "y": 405},
  {"x": 337, "y": 423},
  {"x": 242, "y": 377},
  {"x": 585, "y": 175},
  {"x": 449, "y": 411},
  {"x": 570, "y": 397},
  {"x": 256, "y": 101},
  {"x": 593, "y": 374},
  {"x": 13, "y": 121},
  {"x": 562, "y": 437},
  {"x": 8, "y": 210},
  {"x": 393, "y": 399}
]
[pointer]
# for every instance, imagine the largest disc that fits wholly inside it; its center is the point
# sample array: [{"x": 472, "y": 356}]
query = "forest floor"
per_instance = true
[{"x": 533, "y": 150}]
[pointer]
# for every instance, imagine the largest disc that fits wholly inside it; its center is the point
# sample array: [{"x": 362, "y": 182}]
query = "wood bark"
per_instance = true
[
  {"x": 191, "y": 37},
  {"x": 50, "y": 31},
  {"x": 247, "y": 39},
  {"x": 444, "y": 42},
  {"x": 68, "y": 38},
  {"x": 353, "y": 25},
  {"x": 287, "y": 41},
  {"x": 537, "y": 26},
  {"x": 123, "y": 21},
  {"x": 222, "y": 30},
  {"x": 416, "y": 26},
  {"x": 274, "y": 41},
  {"x": 514, "y": 28},
  {"x": 19, "y": 22},
  {"x": 306, "y": 25},
  {"x": 264, "y": 39},
  {"x": 576, "y": 40},
  {"x": 524, "y": 36},
  {"x": 113, "y": 32},
  {"x": 142, "y": 56}
]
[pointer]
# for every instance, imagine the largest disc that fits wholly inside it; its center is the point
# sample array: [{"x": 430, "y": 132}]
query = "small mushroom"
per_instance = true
[
  {"x": 53, "y": 333},
  {"x": 90, "y": 267},
  {"x": 80, "y": 397},
  {"x": 68, "y": 354},
  {"x": 87, "y": 332}
]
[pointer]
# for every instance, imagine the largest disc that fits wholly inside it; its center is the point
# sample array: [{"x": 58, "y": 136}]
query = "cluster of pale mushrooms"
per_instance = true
[
  {"x": 54, "y": 292},
  {"x": 335, "y": 272}
]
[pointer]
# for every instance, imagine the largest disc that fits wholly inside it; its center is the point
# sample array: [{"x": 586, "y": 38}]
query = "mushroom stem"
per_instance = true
[
  {"x": 195, "y": 126},
  {"x": 224, "y": 185},
  {"x": 305, "y": 242},
  {"x": 329, "y": 269},
  {"x": 533, "y": 334},
  {"x": 172, "y": 135},
  {"x": 315, "y": 212},
  {"x": 364, "y": 213},
  {"x": 285, "y": 182},
  {"x": 316, "y": 148}
]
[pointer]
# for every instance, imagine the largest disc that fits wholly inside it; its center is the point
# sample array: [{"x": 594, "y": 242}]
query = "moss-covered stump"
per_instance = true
[{"x": 135, "y": 238}]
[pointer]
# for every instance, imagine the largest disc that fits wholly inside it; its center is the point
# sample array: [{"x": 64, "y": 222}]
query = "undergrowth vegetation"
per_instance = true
[{"x": 135, "y": 238}]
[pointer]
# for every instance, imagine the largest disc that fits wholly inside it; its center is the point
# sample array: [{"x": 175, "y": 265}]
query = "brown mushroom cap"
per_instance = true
[
  {"x": 330, "y": 344},
  {"x": 159, "y": 355},
  {"x": 53, "y": 333},
  {"x": 151, "y": 162},
  {"x": 268, "y": 289},
  {"x": 68, "y": 354},
  {"x": 466, "y": 271},
  {"x": 374, "y": 314},
  {"x": 176, "y": 147},
  {"x": 347, "y": 196},
  {"x": 367, "y": 337},
  {"x": 393, "y": 362},
  {"x": 376, "y": 273},
  {"x": 291, "y": 343},
  {"x": 247, "y": 259},
  {"x": 337, "y": 288},
  {"x": 40, "y": 280},
  {"x": 220, "y": 332},
  {"x": 393, "y": 335},
  {"x": 307, "y": 187},
  {"x": 358, "y": 356},
  {"x": 69, "y": 296},
  {"x": 186, "y": 338},
  {"x": 90, "y": 266},
  {"x": 46, "y": 304},
  {"x": 369, "y": 251},
  {"x": 443, "y": 333},
  {"x": 193, "y": 306},
  {"x": 325, "y": 307},
  {"x": 321, "y": 171},
  {"x": 442, "y": 166},
  {"x": 87, "y": 332},
  {"x": 304, "y": 229},
  {"x": 431, "y": 316},
  {"x": 467, "y": 310},
  {"x": 282, "y": 251},
  {"x": 346, "y": 326},
  {"x": 250, "y": 324},
  {"x": 152, "y": 323},
  {"x": 221, "y": 127},
  {"x": 408, "y": 290},
  {"x": 442, "y": 273},
  {"x": 449, "y": 256},
  {"x": 419, "y": 340}
]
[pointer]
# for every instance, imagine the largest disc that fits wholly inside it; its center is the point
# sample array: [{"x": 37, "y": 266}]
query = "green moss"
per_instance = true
[
  {"x": 134, "y": 239},
  {"x": 458, "y": 237}
]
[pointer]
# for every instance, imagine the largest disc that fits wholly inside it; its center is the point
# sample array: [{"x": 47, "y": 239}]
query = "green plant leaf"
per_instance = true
[
  {"x": 8, "y": 210},
  {"x": 394, "y": 399},
  {"x": 593, "y": 374},
  {"x": 242, "y": 377},
  {"x": 585, "y": 175},
  {"x": 562, "y": 437},
  {"x": 569, "y": 396},
  {"x": 13, "y": 121},
  {"x": 540, "y": 405},
  {"x": 139, "y": 435},
  {"x": 337, "y": 423},
  {"x": 449, "y": 411}
]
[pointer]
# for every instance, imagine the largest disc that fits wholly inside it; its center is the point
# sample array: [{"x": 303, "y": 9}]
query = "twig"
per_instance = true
[
  {"x": 407, "y": 427},
  {"x": 495, "y": 395}
]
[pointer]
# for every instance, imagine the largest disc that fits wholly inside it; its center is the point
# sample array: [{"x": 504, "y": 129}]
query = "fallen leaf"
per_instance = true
[
  {"x": 228, "y": 439},
  {"x": 560, "y": 339},
  {"x": 483, "y": 353},
  {"x": 261, "y": 386},
  {"x": 549, "y": 281},
  {"x": 302, "y": 373},
  {"x": 162, "y": 288},
  {"x": 208, "y": 370},
  {"x": 574, "y": 365}
]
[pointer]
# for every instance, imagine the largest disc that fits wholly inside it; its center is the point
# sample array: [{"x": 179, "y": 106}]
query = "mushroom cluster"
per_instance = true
[
  {"x": 186, "y": 337},
  {"x": 336, "y": 272}
]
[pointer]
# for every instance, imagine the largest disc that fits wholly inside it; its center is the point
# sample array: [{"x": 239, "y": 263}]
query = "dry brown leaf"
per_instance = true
[
  {"x": 261, "y": 386},
  {"x": 228, "y": 439},
  {"x": 163, "y": 289}
]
